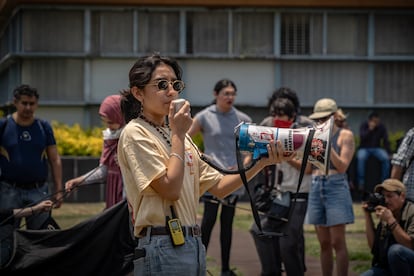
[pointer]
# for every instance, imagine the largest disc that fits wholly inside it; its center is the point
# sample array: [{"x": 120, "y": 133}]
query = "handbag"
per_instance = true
[
  {"x": 279, "y": 210},
  {"x": 273, "y": 202}
]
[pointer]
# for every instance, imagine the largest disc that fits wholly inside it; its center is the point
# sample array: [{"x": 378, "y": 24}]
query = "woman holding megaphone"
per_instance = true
[{"x": 330, "y": 202}]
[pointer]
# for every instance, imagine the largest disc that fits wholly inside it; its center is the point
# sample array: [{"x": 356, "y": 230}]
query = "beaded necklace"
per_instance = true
[{"x": 158, "y": 129}]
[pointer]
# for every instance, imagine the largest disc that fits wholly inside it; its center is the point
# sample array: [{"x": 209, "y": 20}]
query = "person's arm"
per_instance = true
[
  {"x": 43, "y": 206},
  {"x": 195, "y": 128},
  {"x": 169, "y": 185},
  {"x": 56, "y": 165},
  {"x": 364, "y": 131},
  {"x": 347, "y": 144},
  {"x": 401, "y": 237},
  {"x": 97, "y": 175},
  {"x": 230, "y": 183},
  {"x": 397, "y": 172},
  {"x": 297, "y": 164}
]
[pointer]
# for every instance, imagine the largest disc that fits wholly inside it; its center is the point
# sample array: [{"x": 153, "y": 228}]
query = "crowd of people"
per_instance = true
[{"x": 150, "y": 159}]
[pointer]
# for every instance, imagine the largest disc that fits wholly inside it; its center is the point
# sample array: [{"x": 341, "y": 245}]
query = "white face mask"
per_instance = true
[{"x": 111, "y": 134}]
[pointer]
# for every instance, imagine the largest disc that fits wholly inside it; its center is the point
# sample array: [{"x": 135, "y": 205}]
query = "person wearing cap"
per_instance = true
[
  {"x": 330, "y": 202},
  {"x": 392, "y": 241}
]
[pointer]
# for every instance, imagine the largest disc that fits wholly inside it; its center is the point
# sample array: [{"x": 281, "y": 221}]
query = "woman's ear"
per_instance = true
[{"x": 137, "y": 93}]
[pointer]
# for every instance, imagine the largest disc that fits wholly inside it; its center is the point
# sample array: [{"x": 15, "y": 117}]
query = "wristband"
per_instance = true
[
  {"x": 393, "y": 225},
  {"x": 173, "y": 154},
  {"x": 33, "y": 213}
]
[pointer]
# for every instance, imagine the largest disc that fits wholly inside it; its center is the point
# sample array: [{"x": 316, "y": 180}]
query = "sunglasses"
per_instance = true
[{"x": 177, "y": 85}]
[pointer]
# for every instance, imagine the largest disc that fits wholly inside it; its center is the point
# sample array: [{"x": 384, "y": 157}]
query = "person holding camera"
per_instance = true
[{"x": 392, "y": 241}]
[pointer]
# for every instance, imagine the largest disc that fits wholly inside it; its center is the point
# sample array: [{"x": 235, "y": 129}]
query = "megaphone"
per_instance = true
[{"x": 254, "y": 139}]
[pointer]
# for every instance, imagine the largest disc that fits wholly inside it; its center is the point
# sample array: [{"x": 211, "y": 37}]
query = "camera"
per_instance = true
[{"x": 375, "y": 199}]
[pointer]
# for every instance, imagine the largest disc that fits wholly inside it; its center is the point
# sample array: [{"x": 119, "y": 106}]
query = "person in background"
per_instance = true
[
  {"x": 392, "y": 241},
  {"x": 373, "y": 142},
  {"x": 28, "y": 148},
  {"x": 330, "y": 202},
  {"x": 164, "y": 175},
  {"x": 7, "y": 222},
  {"x": 289, "y": 249},
  {"x": 403, "y": 165},
  {"x": 108, "y": 170},
  {"x": 290, "y": 94},
  {"x": 216, "y": 123}
]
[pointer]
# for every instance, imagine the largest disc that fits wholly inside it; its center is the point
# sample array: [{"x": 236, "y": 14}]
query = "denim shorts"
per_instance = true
[
  {"x": 163, "y": 258},
  {"x": 330, "y": 201}
]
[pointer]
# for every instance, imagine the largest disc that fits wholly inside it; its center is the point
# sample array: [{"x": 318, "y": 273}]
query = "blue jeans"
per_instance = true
[
  {"x": 165, "y": 259},
  {"x": 12, "y": 197},
  {"x": 362, "y": 156},
  {"x": 400, "y": 262},
  {"x": 330, "y": 201}
]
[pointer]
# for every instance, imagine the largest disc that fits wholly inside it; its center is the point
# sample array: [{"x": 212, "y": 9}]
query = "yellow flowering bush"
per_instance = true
[{"x": 75, "y": 141}]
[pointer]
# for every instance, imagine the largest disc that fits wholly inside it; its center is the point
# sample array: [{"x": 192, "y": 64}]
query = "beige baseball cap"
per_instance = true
[
  {"x": 390, "y": 185},
  {"x": 323, "y": 108}
]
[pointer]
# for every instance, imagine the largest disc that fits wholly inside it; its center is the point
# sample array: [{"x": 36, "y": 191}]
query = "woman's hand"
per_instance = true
[
  {"x": 276, "y": 154},
  {"x": 180, "y": 121}
]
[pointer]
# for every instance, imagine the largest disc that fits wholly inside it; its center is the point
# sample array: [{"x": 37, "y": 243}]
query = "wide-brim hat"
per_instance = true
[
  {"x": 323, "y": 108},
  {"x": 390, "y": 185}
]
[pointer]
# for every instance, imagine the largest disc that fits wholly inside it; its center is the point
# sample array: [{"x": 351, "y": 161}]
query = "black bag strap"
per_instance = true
[{"x": 303, "y": 167}]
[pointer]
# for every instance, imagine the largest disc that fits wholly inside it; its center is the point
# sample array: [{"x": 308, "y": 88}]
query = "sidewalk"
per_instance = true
[{"x": 244, "y": 256}]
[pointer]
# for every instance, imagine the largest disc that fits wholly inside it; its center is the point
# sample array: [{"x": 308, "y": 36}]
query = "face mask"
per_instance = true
[{"x": 282, "y": 123}]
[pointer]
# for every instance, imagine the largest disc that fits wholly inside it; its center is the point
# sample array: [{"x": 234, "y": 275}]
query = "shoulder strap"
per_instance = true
[
  {"x": 3, "y": 127},
  {"x": 41, "y": 124}
]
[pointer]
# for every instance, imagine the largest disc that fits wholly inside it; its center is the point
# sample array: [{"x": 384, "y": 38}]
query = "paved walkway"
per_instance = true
[{"x": 244, "y": 256}]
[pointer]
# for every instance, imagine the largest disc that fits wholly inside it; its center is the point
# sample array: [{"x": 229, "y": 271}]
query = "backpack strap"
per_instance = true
[{"x": 3, "y": 125}]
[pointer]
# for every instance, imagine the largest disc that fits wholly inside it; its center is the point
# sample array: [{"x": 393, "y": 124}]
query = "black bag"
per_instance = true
[
  {"x": 280, "y": 208},
  {"x": 262, "y": 197}
]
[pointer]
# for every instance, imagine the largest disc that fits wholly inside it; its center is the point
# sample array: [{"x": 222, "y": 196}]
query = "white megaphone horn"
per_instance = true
[{"x": 254, "y": 139}]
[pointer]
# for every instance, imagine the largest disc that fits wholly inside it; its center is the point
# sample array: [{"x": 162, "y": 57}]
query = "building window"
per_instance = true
[
  {"x": 52, "y": 31},
  {"x": 56, "y": 79},
  {"x": 394, "y": 82},
  {"x": 253, "y": 33},
  {"x": 207, "y": 32},
  {"x": 394, "y": 34},
  {"x": 347, "y": 34},
  {"x": 295, "y": 34},
  {"x": 158, "y": 32},
  {"x": 112, "y": 32}
]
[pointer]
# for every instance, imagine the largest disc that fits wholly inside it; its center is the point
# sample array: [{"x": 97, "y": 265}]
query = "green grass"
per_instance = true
[
  {"x": 359, "y": 253},
  {"x": 70, "y": 214},
  {"x": 358, "y": 250}
]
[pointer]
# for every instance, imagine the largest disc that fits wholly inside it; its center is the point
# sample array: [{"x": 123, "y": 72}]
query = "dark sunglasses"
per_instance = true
[{"x": 177, "y": 85}]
